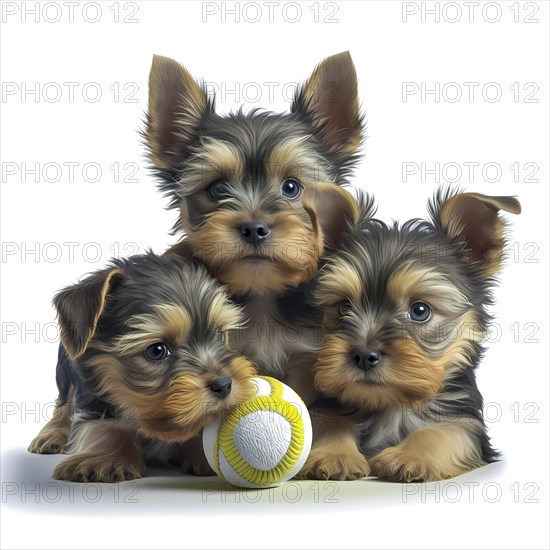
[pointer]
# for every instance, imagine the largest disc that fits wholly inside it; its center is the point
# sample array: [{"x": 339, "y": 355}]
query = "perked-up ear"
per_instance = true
[
  {"x": 473, "y": 221},
  {"x": 333, "y": 211},
  {"x": 329, "y": 99},
  {"x": 79, "y": 308},
  {"x": 177, "y": 104}
]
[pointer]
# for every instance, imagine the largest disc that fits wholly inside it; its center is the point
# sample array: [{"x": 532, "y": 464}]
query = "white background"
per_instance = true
[{"x": 389, "y": 49}]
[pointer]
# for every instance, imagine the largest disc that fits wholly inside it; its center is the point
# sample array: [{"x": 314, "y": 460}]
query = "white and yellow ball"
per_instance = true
[{"x": 264, "y": 441}]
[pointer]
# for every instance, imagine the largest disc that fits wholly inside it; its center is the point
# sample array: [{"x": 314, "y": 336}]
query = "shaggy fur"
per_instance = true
[
  {"x": 225, "y": 174},
  {"x": 405, "y": 315},
  {"x": 144, "y": 365}
]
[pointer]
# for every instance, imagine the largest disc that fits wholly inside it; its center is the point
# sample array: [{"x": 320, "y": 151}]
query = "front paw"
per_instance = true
[
  {"x": 50, "y": 443},
  {"x": 87, "y": 468},
  {"x": 326, "y": 463},
  {"x": 398, "y": 464}
]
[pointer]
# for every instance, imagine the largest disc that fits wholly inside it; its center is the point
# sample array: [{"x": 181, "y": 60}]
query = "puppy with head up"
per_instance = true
[
  {"x": 144, "y": 365},
  {"x": 259, "y": 199},
  {"x": 405, "y": 316}
]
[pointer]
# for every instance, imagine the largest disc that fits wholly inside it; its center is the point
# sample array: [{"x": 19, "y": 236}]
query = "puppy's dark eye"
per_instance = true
[
  {"x": 344, "y": 308},
  {"x": 291, "y": 189},
  {"x": 420, "y": 312},
  {"x": 157, "y": 351},
  {"x": 218, "y": 190}
]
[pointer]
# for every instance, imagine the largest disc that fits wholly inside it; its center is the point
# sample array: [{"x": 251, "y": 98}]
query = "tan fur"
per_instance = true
[
  {"x": 289, "y": 258},
  {"x": 180, "y": 411},
  {"x": 403, "y": 394},
  {"x": 211, "y": 160},
  {"x": 431, "y": 454},
  {"x": 223, "y": 314},
  {"x": 407, "y": 376},
  {"x": 299, "y": 235},
  {"x": 52, "y": 438},
  {"x": 340, "y": 281},
  {"x": 412, "y": 376},
  {"x": 168, "y": 323},
  {"x": 334, "y": 454},
  {"x": 337, "y": 377},
  {"x": 294, "y": 158},
  {"x": 412, "y": 282},
  {"x": 333, "y": 372},
  {"x": 102, "y": 451},
  {"x": 292, "y": 254}
]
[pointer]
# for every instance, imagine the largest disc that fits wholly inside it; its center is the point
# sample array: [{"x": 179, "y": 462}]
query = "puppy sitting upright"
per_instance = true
[
  {"x": 144, "y": 353},
  {"x": 405, "y": 317},
  {"x": 258, "y": 198}
]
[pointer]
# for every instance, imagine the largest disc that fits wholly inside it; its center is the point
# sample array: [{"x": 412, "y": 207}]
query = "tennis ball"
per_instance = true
[{"x": 264, "y": 441}]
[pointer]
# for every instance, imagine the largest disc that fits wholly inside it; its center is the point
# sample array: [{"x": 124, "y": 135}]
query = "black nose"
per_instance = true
[
  {"x": 254, "y": 232},
  {"x": 366, "y": 359},
  {"x": 221, "y": 387}
]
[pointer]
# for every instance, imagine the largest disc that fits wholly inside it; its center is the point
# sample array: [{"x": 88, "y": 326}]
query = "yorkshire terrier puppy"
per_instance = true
[
  {"x": 259, "y": 199},
  {"x": 405, "y": 315},
  {"x": 144, "y": 362}
]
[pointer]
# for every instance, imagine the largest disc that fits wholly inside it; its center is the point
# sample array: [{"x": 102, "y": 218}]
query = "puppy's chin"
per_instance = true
[
  {"x": 371, "y": 395},
  {"x": 178, "y": 424},
  {"x": 179, "y": 428},
  {"x": 261, "y": 276},
  {"x": 188, "y": 406}
]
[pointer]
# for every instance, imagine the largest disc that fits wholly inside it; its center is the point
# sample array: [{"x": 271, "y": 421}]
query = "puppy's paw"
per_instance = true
[
  {"x": 85, "y": 469},
  {"x": 399, "y": 464},
  {"x": 326, "y": 463},
  {"x": 196, "y": 467},
  {"x": 50, "y": 443}
]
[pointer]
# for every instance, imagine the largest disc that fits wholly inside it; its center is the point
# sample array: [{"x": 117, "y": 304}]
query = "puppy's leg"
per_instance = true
[
  {"x": 434, "y": 453},
  {"x": 334, "y": 454},
  {"x": 102, "y": 451},
  {"x": 52, "y": 438}
]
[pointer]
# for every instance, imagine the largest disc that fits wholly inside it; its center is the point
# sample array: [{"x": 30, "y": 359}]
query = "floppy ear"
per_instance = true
[
  {"x": 333, "y": 211},
  {"x": 177, "y": 104},
  {"x": 79, "y": 308},
  {"x": 329, "y": 100},
  {"x": 473, "y": 221}
]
